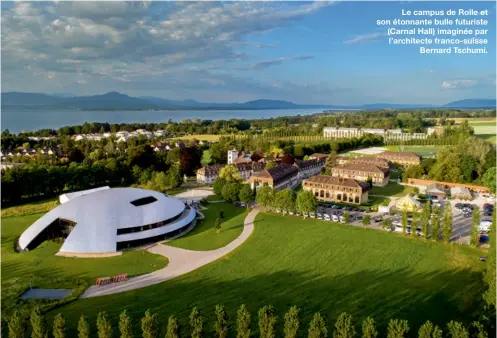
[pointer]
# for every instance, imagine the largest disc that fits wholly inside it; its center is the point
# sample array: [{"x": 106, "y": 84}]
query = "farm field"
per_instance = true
[
  {"x": 40, "y": 268},
  {"x": 199, "y": 137},
  {"x": 318, "y": 266},
  {"x": 205, "y": 237}
]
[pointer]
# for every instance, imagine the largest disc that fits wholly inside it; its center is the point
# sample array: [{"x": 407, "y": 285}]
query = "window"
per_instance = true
[{"x": 143, "y": 201}]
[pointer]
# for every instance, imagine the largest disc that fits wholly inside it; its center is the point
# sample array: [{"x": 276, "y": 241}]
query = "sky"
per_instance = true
[{"x": 304, "y": 52}]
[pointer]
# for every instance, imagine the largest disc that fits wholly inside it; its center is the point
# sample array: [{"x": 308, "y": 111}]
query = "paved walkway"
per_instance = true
[{"x": 181, "y": 261}]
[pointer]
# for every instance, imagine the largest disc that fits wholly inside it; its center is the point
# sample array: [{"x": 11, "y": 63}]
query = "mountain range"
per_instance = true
[{"x": 118, "y": 101}]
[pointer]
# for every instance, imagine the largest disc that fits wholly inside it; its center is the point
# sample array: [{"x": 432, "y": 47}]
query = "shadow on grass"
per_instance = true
[{"x": 379, "y": 294}]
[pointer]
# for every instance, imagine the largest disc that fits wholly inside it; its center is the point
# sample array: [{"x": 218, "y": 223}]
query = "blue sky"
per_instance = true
[{"x": 305, "y": 52}]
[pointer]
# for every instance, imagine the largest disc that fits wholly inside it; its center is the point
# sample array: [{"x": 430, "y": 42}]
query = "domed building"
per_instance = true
[{"x": 103, "y": 222}]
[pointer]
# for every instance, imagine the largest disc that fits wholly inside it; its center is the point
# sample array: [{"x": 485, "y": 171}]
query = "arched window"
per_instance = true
[
  {"x": 344, "y": 198},
  {"x": 327, "y": 194},
  {"x": 357, "y": 199},
  {"x": 321, "y": 193}
]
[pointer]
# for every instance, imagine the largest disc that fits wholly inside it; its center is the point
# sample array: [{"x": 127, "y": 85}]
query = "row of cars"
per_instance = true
[{"x": 487, "y": 212}]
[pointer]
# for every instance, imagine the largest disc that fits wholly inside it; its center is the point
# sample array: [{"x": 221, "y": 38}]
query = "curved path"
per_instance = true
[{"x": 181, "y": 261}]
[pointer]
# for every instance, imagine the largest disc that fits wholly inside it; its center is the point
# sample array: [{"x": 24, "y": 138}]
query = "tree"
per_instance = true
[
  {"x": 306, "y": 202},
  {"x": 231, "y": 174},
  {"x": 218, "y": 185},
  {"x": 288, "y": 159},
  {"x": 344, "y": 327},
  {"x": 246, "y": 195},
  {"x": 478, "y": 330},
  {"x": 83, "y": 328},
  {"x": 317, "y": 327},
  {"x": 265, "y": 196},
  {"x": 368, "y": 328},
  {"x": 415, "y": 222},
  {"x": 267, "y": 322},
  {"x": 17, "y": 325},
  {"x": 428, "y": 330},
  {"x": 104, "y": 328},
  {"x": 397, "y": 328},
  {"x": 38, "y": 324},
  {"x": 489, "y": 278},
  {"x": 387, "y": 224},
  {"x": 292, "y": 322},
  {"x": 475, "y": 236},
  {"x": 346, "y": 217},
  {"x": 447, "y": 223},
  {"x": 366, "y": 220},
  {"x": 285, "y": 200},
  {"x": 206, "y": 158},
  {"x": 425, "y": 219},
  {"x": 172, "y": 328},
  {"x": 221, "y": 325},
  {"x": 59, "y": 326},
  {"x": 435, "y": 224},
  {"x": 331, "y": 162},
  {"x": 457, "y": 330},
  {"x": 404, "y": 221},
  {"x": 230, "y": 191},
  {"x": 488, "y": 179},
  {"x": 413, "y": 171},
  {"x": 271, "y": 164},
  {"x": 196, "y": 323},
  {"x": 242, "y": 322},
  {"x": 125, "y": 325},
  {"x": 150, "y": 325},
  {"x": 174, "y": 176}
]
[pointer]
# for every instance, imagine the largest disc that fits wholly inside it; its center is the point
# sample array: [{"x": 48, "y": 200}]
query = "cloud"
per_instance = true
[
  {"x": 268, "y": 63},
  {"x": 456, "y": 84},
  {"x": 129, "y": 42},
  {"x": 364, "y": 38}
]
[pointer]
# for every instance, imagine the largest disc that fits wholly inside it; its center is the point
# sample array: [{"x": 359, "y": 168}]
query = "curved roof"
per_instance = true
[
  {"x": 408, "y": 203},
  {"x": 98, "y": 216}
]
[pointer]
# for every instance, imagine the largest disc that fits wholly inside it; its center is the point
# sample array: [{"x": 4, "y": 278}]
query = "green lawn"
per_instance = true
[
  {"x": 30, "y": 208},
  {"x": 420, "y": 150},
  {"x": 392, "y": 190},
  {"x": 205, "y": 236},
  {"x": 42, "y": 269},
  {"x": 214, "y": 198},
  {"x": 318, "y": 266},
  {"x": 199, "y": 137}
]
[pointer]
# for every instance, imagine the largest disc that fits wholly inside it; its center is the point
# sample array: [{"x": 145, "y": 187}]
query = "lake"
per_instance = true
[{"x": 19, "y": 119}]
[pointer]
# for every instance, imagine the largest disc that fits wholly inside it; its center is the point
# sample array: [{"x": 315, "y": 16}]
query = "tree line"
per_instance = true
[{"x": 223, "y": 326}]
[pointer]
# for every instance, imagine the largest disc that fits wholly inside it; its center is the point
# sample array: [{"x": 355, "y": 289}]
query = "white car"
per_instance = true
[
  {"x": 484, "y": 226},
  {"x": 335, "y": 218},
  {"x": 312, "y": 215},
  {"x": 398, "y": 228},
  {"x": 319, "y": 215},
  {"x": 342, "y": 219},
  {"x": 327, "y": 217}
]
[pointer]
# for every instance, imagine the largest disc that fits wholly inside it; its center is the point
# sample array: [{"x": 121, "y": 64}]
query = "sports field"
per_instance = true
[
  {"x": 318, "y": 266},
  {"x": 40, "y": 268},
  {"x": 392, "y": 190},
  {"x": 425, "y": 151}
]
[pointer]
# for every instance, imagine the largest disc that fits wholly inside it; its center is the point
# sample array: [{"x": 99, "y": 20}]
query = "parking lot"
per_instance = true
[{"x": 461, "y": 220}]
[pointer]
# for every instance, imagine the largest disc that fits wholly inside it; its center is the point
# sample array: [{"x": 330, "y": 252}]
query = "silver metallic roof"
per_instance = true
[{"x": 99, "y": 214}]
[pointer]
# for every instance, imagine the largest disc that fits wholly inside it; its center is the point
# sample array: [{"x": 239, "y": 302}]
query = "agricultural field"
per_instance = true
[
  {"x": 205, "y": 236},
  {"x": 199, "y": 137},
  {"x": 40, "y": 268},
  {"x": 318, "y": 266},
  {"x": 485, "y": 130}
]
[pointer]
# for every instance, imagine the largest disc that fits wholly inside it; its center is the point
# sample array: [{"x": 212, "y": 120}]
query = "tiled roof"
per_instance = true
[
  {"x": 362, "y": 167},
  {"x": 318, "y": 155},
  {"x": 379, "y": 162},
  {"x": 302, "y": 165},
  {"x": 398, "y": 155},
  {"x": 210, "y": 170},
  {"x": 340, "y": 181}
]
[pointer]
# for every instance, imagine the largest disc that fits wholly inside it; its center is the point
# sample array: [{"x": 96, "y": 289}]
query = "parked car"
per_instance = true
[
  {"x": 335, "y": 218},
  {"x": 342, "y": 219},
  {"x": 398, "y": 228},
  {"x": 358, "y": 217},
  {"x": 312, "y": 215},
  {"x": 459, "y": 206},
  {"x": 319, "y": 215},
  {"x": 327, "y": 217}
]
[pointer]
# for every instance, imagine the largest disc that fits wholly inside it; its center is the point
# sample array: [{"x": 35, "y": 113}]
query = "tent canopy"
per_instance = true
[{"x": 408, "y": 203}]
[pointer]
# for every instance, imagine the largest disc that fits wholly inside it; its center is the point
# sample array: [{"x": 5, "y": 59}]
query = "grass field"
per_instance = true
[
  {"x": 42, "y": 269},
  {"x": 30, "y": 208},
  {"x": 318, "y": 266},
  {"x": 392, "y": 190},
  {"x": 485, "y": 130},
  {"x": 205, "y": 236},
  {"x": 420, "y": 150}
]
